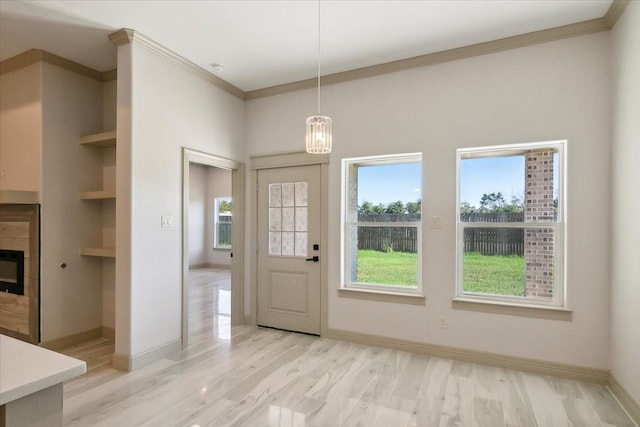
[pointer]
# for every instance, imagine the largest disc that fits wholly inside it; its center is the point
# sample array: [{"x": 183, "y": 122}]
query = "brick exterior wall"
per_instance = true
[
  {"x": 352, "y": 216},
  {"x": 538, "y": 206}
]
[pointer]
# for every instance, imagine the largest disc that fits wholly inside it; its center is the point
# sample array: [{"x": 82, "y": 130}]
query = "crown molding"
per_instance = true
[
  {"x": 125, "y": 36},
  {"x": 507, "y": 43},
  {"x": 110, "y": 75},
  {"x": 122, "y": 37},
  {"x": 615, "y": 11},
  {"x": 33, "y": 56},
  {"x": 604, "y": 23},
  {"x": 21, "y": 60}
]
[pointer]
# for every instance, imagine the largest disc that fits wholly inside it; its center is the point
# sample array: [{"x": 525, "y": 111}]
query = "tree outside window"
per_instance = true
[
  {"x": 382, "y": 223},
  {"x": 222, "y": 222},
  {"x": 510, "y": 223}
]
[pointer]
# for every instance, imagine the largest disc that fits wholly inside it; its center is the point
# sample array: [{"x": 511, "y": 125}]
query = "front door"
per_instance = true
[{"x": 288, "y": 248}]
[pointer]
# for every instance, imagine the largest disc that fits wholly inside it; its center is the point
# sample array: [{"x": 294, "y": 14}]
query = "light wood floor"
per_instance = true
[{"x": 249, "y": 376}]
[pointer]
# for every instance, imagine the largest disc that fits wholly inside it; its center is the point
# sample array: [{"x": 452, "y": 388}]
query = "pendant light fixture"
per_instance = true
[{"x": 319, "y": 132}]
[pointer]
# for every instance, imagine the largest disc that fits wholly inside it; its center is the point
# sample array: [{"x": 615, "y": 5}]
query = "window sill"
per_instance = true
[
  {"x": 381, "y": 296},
  {"x": 513, "y": 309},
  {"x": 221, "y": 249}
]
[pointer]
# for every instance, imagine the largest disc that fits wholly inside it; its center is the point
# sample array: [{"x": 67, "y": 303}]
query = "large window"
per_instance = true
[
  {"x": 222, "y": 223},
  {"x": 382, "y": 223},
  {"x": 510, "y": 224}
]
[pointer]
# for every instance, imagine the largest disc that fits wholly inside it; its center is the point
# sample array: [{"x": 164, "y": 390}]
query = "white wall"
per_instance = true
[
  {"x": 71, "y": 297},
  {"x": 161, "y": 108},
  {"x": 205, "y": 184},
  {"x": 625, "y": 229},
  {"x": 21, "y": 129},
  {"x": 218, "y": 185},
  {"x": 198, "y": 249},
  {"x": 549, "y": 91}
]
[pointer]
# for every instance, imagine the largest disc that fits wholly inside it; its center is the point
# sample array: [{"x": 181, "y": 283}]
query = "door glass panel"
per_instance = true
[{"x": 288, "y": 218}]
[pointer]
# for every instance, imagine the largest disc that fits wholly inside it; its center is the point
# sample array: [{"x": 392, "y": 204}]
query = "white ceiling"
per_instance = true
[{"x": 266, "y": 43}]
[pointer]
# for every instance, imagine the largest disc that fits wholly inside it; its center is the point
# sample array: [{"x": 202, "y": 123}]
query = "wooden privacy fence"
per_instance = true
[
  {"x": 492, "y": 217},
  {"x": 398, "y": 239},
  {"x": 487, "y": 241},
  {"x": 494, "y": 241},
  {"x": 386, "y": 239}
]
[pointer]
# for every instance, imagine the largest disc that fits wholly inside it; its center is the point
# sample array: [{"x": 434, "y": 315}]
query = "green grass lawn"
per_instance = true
[
  {"x": 502, "y": 275},
  {"x": 387, "y": 268}
]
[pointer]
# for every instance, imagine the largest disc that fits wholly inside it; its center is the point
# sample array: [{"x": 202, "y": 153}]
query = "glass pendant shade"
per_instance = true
[{"x": 319, "y": 137}]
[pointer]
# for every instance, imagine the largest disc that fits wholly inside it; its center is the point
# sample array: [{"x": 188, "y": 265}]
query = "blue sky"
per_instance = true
[
  {"x": 491, "y": 175},
  {"x": 388, "y": 183}
]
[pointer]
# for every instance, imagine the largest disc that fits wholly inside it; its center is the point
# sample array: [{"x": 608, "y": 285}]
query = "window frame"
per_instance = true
[
  {"x": 216, "y": 222},
  {"x": 559, "y": 299},
  {"x": 345, "y": 243}
]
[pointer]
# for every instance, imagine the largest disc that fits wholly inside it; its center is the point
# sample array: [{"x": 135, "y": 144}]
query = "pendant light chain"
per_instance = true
[
  {"x": 319, "y": 137},
  {"x": 318, "y": 57}
]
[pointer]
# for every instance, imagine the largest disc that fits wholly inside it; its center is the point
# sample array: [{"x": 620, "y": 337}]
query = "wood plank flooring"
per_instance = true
[{"x": 245, "y": 376}]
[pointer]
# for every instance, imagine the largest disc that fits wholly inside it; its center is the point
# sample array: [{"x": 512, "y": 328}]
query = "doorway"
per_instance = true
[
  {"x": 208, "y": 206},
  {"x": 289, "y": 248},
  {"x": 289, "y": 217}
]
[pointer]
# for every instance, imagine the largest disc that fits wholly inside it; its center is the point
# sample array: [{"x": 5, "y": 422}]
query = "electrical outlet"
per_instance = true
[
  {"x": 443, "y": 322},
  {"x": 435, "y": 222}
]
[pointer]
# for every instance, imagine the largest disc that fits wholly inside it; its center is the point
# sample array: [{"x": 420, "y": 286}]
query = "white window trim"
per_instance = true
[
  {"x": 216, "y": 222},
  {"x": 559, "y": 299},
  {"x": 345, "y": 244}
]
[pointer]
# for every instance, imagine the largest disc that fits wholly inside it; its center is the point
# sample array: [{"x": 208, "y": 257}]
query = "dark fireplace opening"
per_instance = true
[{"x": 12, "y": 271}]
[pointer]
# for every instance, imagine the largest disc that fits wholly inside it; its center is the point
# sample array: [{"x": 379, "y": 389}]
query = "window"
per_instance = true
[
  {"x": 382, "y": 223},
  {"x": 222, "y": 223},
  {"x": 510, "y": 224}
]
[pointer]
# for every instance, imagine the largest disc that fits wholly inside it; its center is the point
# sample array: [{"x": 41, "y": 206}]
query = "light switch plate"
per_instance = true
[
  {"x": 166, "y": 221},
  {"x": 435, "y": 222}
]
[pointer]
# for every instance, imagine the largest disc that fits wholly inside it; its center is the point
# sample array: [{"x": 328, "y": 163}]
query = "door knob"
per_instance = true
[{"x": 314, "y": 259}]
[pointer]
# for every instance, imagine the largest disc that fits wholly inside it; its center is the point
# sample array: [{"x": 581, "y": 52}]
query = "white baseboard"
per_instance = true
[
  {"x": 209, "y": 265},
  {"x": 73, "y": 339},
  {"x": 109, "y": 333},
  {"x": 196, "y": 266},
  {"x": 624, "y": 399},
  {"x": 592, "y": 375},
  {"x": 126, "y": 363}
]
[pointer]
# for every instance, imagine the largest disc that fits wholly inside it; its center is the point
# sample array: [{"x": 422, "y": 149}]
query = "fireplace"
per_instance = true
[
  {"x": 12, "y": 271},
  {"x": 20, "y": 271}
]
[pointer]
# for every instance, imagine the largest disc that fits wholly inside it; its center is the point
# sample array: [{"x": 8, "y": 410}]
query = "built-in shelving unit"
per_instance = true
[
  {"x": 98, "y": 195},
  {"x": 99, "y": 252},
  {"x": 104, "y": 140}
]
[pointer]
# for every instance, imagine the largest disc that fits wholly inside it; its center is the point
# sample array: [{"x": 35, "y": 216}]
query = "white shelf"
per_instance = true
[
  {"x": 103, "y": 140},
  {"x": 99, "y": 140},
  {"x": 99, "y": 252},
  {"x": 98, "y": 195}
]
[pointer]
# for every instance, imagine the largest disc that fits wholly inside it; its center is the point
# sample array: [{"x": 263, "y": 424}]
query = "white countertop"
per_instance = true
[{"x": 26, "y": 369}]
